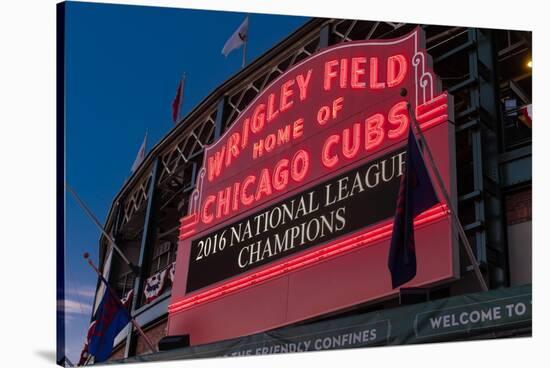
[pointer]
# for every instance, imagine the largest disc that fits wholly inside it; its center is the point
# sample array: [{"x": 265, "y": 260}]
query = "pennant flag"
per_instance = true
[
  {"x": 140, "y": 155},
  {"x": 526, "y": 115},
  {"x": 416, "y": 194},
  {"x": 128, "y": 299},
  {"x": 172, "y": 272},
  {"x": 176, "y": 103},
  {"x": 154, "y": 285},
  {"x": 237, "y": 39},
  {"x": 111, "y": 318}
]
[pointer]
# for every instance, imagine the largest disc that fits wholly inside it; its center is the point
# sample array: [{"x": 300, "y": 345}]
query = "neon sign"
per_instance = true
[{"x": 305, "y": 176}]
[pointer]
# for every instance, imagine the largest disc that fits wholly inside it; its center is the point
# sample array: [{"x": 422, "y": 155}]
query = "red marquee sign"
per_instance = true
[{"x": 292, "y": 213}]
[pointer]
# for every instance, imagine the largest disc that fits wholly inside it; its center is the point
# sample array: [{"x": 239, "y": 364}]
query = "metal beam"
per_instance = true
[
  {"x": 490, "y": 131},
  {"x": 218, "y": 129},
  {"x": 324, "y": 35},
  {"x": 145, "y": 250},
  {"x": 519, "y": 92}
]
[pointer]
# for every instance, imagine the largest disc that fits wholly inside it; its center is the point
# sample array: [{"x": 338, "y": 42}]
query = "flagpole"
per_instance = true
[
  {"x": 183, "y": 78},
  {"x": 132, "y": 320},
  {"x": 246, "y": 40},
  {"x": 133, "y": 267},
  {"x": 88, "y": 359},
  {"x": 457, "y": 223},
  {"x": 244, "y": 50}
]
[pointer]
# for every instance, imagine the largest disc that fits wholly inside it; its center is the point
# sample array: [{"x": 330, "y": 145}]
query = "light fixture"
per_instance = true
[{"x": 530, "y": 64}]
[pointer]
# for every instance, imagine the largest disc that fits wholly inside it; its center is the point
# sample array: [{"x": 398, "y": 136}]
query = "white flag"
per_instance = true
[
  {"x": 140, "y": 155},
  {"x": 237, "y": 39},
  {"x": 106, "y": 271}
]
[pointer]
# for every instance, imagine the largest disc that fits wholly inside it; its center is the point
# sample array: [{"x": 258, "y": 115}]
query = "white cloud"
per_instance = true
[
  {"x": 75, "y": 307},
  {"x": 87, "y": 293}
]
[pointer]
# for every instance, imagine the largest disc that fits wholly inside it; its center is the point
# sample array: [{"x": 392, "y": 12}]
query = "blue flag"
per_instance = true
[
  {"x": 111, "y": 318},
  {"x": 416, "y": 194}
]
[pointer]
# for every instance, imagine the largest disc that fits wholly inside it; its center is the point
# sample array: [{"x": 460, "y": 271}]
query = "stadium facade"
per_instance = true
[{"x": 486, "y": 73}]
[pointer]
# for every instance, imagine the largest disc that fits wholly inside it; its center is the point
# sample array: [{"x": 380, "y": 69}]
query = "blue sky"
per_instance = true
[{"x": 123, "y": 65}]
